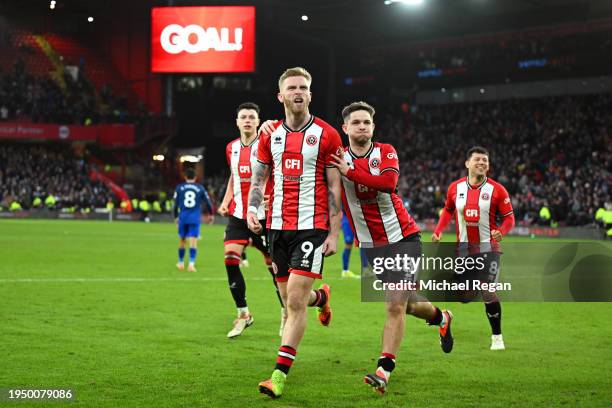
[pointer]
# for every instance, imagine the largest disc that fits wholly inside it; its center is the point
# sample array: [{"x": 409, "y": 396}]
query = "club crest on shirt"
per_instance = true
[
  {"x": 374, "y": 163},
  {"x": 485, "y": 196},
  {"x": 311, "y": 140}
]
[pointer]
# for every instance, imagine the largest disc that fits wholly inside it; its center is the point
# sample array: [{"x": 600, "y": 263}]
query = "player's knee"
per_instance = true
[
  {"x": 295, "y": 302},
  {"x": 396, "y": 308},
  {"x": 232, "y": 258}
]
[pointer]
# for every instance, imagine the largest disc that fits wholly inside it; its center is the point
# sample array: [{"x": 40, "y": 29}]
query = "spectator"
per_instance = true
[{"x": 51, "y": 173}]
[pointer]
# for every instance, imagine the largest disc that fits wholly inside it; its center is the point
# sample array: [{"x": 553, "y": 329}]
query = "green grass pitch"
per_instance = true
[{"x": 99, "y": 308}]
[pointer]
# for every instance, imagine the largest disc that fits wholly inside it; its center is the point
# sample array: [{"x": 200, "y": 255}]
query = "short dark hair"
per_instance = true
[
  {"x": 247, "y": 105},
  {"x": 476, "y": 149},
  {"x": 357, "y": 106},
  {"x": 190, "y": 173}
]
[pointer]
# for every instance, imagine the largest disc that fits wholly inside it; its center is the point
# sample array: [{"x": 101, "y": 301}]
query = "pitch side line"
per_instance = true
[{"x": 104, "y": 280}]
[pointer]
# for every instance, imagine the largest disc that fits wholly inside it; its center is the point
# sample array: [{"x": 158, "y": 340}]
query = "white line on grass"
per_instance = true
[{"x": 104, "y": 280}]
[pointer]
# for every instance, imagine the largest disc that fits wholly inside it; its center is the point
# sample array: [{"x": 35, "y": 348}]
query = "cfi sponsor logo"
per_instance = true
[
  {"x": 471, "y": 213},
  {"x": 175, "y": 39},
  {"x": 244, "y": 170}
]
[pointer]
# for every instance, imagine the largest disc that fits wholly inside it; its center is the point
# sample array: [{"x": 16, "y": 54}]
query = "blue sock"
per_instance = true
[
  {"x": 181, "y": 254},
  {"x": 192, "y": 254},
  {"x": 364, "y": 259},
  {"x": 346, "y": 254}
]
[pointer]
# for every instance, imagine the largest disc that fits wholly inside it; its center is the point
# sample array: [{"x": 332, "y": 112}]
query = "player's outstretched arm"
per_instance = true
[
  {"x": 385, "y": 182},
  {"x": 261, "y": 172},
  {"x": 504, "y": 228},
  {"x": 223, "y": 209},
  {"x": 334, "y": 187},
  {"x": 445, "y": 219}
]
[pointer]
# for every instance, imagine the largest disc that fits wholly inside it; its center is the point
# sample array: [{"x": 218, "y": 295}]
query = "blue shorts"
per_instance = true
[
  {"x": 347, "y": 231},
  {"x": 188, "y": 230}
]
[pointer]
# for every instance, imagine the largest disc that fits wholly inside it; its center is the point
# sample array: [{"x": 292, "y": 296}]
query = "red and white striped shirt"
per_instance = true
[
  {"x": 476, "y": 209},
  {"x": 377, "y": 217},
  {"x": 298, "y": 161},
  {"x": 241, "y": 159}
]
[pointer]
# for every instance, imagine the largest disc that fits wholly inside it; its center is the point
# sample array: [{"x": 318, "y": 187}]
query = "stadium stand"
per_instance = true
[
  {"x": 56, "y": 78},
  {"x": 549, "y": 152},
  {"x": 553, "y": 151},
  {"x": 28, "y": 172},
  {"x": 542, "y": 52}
]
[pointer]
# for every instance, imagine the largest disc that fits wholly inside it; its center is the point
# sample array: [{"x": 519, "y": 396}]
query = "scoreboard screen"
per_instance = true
[{"x": 203, "y": 39}]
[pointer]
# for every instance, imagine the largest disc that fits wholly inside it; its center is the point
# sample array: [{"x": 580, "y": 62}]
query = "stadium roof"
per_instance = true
[{"x": 369, "y": 22}]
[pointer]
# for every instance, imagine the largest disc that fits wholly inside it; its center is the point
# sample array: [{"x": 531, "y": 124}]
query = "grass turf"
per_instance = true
[{"x": 99, "y": 308}]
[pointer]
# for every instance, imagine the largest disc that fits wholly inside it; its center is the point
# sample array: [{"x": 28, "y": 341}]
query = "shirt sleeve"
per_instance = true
[
  {"x": 333, "y": 146},
  {"x": 384, "y": 182},
  {"x": 228, "y": 153},
  {"x": 264, "y": 153},
  {"x": 502, "y": 199},
  {"x": 175, "y": 207},
  {"x": 207, "y": 200},
  {"x": 445, "y": 219},
  {"x": 388, "y": 159},
  {"x": 507, "y": 224},
  {"x": 450, "y": 199}
]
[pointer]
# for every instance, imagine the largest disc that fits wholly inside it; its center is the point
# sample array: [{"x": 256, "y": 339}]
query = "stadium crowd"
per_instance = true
[
  {"x": 25, "y": 97},
  {"x": 508, "y": 48},
  {"x": 552, "y": 153},
  {"x": 47, "y": 176},
  {"x": 548, "y": 152}
]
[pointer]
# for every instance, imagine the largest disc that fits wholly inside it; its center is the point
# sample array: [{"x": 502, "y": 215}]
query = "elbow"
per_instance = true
[{"x": 390, "y": 187}]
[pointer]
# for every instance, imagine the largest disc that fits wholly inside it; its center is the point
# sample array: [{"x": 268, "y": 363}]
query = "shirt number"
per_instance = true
[{"x": 189, "y": 201}]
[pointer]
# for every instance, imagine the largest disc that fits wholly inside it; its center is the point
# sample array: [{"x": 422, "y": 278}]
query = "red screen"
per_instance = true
[{"x": 203, "y": 39}]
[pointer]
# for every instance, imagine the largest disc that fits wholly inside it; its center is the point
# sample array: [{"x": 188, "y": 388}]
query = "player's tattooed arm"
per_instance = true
[
  {"x": 261, "y": 172},
  {"x": 334, "y": 188}
]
